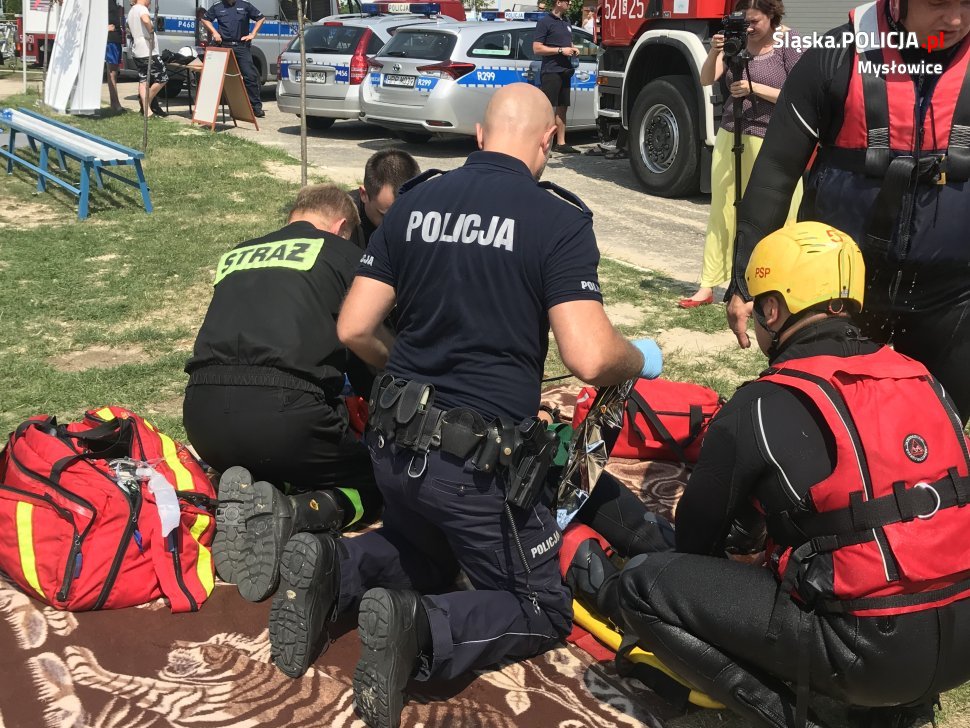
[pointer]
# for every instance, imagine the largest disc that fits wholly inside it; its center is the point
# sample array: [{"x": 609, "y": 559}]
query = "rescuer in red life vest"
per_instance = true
[
  {"x": 857, "y": 461},
  {"x": 892, "y": 171}
]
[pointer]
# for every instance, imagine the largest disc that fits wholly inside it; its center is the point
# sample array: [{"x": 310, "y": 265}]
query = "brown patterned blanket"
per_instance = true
[{"x": 148, "y": 668}]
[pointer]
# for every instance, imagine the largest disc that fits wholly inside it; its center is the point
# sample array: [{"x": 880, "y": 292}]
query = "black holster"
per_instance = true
[{"x": 403, "y": 412}]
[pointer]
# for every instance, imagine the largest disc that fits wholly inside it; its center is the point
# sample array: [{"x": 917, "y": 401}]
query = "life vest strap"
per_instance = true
[
  {"x": 894, "y": 601},
  {"x": 829, "y": 529}
]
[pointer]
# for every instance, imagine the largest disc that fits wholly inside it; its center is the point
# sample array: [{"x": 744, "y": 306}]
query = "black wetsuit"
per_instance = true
[
  {"x": 918, "y": 293},
  {"x": 708, "y": 618}
]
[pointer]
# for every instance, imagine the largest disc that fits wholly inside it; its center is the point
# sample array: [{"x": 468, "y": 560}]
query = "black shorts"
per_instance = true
[
  {"x": 159, "y": 72},
  {"x": 555, "y": 85}
]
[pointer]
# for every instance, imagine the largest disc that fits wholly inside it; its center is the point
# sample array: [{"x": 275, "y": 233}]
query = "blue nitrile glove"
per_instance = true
[{"x": 653, "y": 360}]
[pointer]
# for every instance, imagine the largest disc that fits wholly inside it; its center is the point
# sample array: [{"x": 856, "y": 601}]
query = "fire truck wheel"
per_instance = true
[
  {"x": 319, "y": 123},
  {"x": 664, "y": 150}
]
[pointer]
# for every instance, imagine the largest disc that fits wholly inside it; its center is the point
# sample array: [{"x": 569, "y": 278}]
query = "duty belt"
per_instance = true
[{"x": 403, "y": 412}]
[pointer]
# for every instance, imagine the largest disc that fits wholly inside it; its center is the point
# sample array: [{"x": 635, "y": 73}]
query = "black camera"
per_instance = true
[{"x": 735, "y": 32}]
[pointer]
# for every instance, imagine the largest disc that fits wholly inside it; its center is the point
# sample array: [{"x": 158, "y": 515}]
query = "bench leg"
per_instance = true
[
  {"x": 143, "y": 186},
  {"x": 97, "y": 178},
  {"x": 61, "y": 160},
  {"x": 41, "y": 181},
  {"x": 33, "y": 144},
  {"x": 10, "y": 142},
  {"x": 82, "y": 204}
]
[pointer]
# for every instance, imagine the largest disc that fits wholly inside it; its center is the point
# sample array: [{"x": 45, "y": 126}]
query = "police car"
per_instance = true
[
  {"x": 438, "y": 80},
  {"x": 337, "y": 49}
]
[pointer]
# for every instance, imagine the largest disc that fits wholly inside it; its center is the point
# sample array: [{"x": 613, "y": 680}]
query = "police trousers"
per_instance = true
[
  {"x": 708, "y": 620},
  {"x": 451, "y": 516},
  {"x": 282, "y": 435},
  {"x": 244, "y": 57}
]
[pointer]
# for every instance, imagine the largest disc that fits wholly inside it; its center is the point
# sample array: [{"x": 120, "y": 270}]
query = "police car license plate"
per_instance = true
[
  {"x": 391, "y": 79},
  {"x": 311, "y": 76}
]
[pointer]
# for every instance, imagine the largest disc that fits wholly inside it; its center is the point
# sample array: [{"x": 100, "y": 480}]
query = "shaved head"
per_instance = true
[{"x": 520, "y": 122}]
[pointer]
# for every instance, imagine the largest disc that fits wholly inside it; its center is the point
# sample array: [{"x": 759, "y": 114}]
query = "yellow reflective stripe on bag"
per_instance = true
[
  {"x": 204, "y": 561},
  {"x": 25, "y": 541},
  {"x": 183, "y": 481}
]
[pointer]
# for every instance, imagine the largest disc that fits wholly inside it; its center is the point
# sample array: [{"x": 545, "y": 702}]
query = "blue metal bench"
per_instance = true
[{"x": 92, "y": 152}]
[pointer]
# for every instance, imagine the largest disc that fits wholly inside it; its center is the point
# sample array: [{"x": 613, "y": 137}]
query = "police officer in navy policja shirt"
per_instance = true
[
  {"x": 232, "y": 17},
  {"x": 553, "y": 42},
  {"x": 481, "y": 263}
]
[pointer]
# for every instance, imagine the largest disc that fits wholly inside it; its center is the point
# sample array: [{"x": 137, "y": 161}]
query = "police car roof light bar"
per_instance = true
[{"x": 399, "y": 8}]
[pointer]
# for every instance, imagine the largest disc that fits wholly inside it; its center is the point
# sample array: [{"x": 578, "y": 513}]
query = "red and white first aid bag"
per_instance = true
[{"x": 105, "y": 513}]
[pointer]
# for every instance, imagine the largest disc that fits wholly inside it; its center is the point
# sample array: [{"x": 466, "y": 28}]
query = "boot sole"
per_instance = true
[
  {"x": 262, "y": 541},
  {"x": 227, "y": 542},
  {"x": 292, "y": 646},
  {"x": 379, "y": 678}
]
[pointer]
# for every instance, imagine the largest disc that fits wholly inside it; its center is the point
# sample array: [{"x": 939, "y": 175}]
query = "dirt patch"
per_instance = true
[
  {"x": 19, "y": 213},
  {"x": 98, "y": 357},
  {"x": 169, "y": 407},
  {"x": 4, "y": 265},
  {"x": 696, "y": 343},
  {"x": 102, "y": 258},
  {"x": 174, "y": 310},
  {"x": 291, "y": 172},
  {"x": 624, "y": 314},
  {"x": 285, "y": 172}
]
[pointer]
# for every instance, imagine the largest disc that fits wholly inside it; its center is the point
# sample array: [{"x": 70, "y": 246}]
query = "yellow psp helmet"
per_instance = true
[{"x": 807, "y": 263}]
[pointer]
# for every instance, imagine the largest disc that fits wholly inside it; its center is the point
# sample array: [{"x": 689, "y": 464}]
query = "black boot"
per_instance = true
[
  {"x": 305, "y": 602},
  {"x": 262, "y": 521},
  {"x": 393, "y": 628},
  {"x": 593, "y": 579},
  {"x": 317, "y": 511},
  {"x": 230, "y": 523},
  {"x": 265, "y": 521}
]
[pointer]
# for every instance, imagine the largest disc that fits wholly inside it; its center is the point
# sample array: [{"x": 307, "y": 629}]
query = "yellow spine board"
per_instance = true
[{"x": 611, "y": 638}]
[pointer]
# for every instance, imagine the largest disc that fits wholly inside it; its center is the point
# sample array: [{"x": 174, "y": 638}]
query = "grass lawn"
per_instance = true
[{"x": 106, "y": 311}]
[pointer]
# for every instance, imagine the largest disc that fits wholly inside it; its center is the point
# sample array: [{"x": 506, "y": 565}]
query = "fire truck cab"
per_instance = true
[{"x": 649, "y": 94}]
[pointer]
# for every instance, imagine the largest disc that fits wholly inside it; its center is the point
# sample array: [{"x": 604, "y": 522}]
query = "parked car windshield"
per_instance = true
[
  {"x": 340, "y": 39},
  {"x": 424, "y": 44}
]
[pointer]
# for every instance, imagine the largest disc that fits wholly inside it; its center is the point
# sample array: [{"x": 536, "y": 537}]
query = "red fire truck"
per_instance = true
[{"x": 649, "y": 88}]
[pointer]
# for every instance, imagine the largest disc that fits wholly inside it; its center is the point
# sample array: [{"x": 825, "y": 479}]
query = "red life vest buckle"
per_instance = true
[{"x": 936, "y": 493}]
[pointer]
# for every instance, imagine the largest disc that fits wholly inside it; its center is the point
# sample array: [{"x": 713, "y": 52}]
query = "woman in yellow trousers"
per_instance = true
[{"x": 757, "y": 89}]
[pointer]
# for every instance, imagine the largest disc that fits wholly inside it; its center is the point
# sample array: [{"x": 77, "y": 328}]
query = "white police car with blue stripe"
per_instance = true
[
  {"x": 337, "y": 49},
  {"x": 438, "y": 80}
]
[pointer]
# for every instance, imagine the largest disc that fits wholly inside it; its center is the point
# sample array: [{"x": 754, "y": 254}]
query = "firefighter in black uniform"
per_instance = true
[
  {"x": 232, "y": 17},
  {"x": 892, "y": 170},
  {"x": 263, "y": 403},
  {"x": 384, "y": 173},
  {"x": 864, "y": 596},
  {"x": 480, "y": 262}
]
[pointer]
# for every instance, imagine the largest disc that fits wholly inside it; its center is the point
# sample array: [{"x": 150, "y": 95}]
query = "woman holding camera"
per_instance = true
[{"x": 756, "y": 89}]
